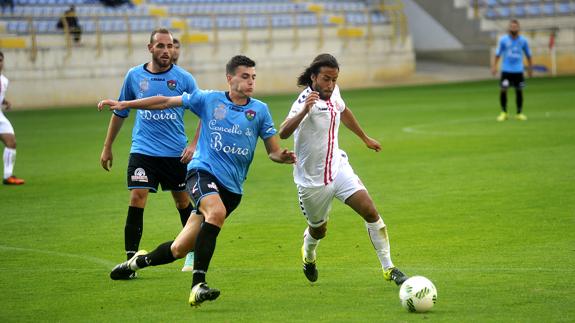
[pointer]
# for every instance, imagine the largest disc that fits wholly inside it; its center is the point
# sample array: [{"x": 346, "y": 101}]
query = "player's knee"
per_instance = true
[
  {"x": 215, "y": 216},
  {"x": 138, "y": 198},
  {"x": 178, "y": 250}
]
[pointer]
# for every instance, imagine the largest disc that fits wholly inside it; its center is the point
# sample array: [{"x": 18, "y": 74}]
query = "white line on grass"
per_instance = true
[{"x": 96, "y": 260}]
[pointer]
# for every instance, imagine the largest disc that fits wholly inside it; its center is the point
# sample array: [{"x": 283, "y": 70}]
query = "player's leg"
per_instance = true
[
  {"x": 141, "y": 179},
  {"x": 134, "y": 226},
  {"x": 215, "y": 203},
  {"x": 519, "y": 85},
  {"x": 315, "y": 204},
  {"x": 503, "y": 85},
  {"x": 8, "y": 137},
  {"x": 350, "y": 190}
]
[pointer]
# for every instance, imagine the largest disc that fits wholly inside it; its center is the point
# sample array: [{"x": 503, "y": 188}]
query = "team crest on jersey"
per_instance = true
[
  {"x": 139, "y": 175},
  {"x": 220, "y": 112},
  {"x": 250, "y": 115},
  {"x": 144, "y": 85},
  {"x": 172, "y": 84}
]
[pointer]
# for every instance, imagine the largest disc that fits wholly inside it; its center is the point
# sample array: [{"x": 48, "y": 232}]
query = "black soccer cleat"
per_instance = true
[
  {"x": 124, "y": 270},
  {"x": 396, "y": 275},
  {"x": 310, "y": 271},
  {"x": 202, "y": 292}
]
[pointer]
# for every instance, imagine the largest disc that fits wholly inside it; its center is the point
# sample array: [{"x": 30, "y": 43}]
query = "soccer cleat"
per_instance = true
[
  {"x": 124, "y": 270},
  {"x": 202, "y": 292},
  {"x": 309, "y": 269},
  {"x": 13, "y": 180},
  {"x": 394, "y": 274},
  {"x": 521, "y": 117},
  {"x": 502, "y": 117},
  {"x": 189, "y": 264}
]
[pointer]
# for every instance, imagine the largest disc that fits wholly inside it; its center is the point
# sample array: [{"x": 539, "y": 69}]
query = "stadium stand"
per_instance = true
[{"x": 278, "y": 33}]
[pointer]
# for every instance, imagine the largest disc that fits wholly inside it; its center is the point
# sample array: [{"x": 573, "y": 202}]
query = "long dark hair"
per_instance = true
[{"x": 319, "y": 61}]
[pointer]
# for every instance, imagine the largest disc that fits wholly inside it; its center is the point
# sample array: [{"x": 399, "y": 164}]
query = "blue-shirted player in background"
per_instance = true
[
  {"x": 231, "y": 124},
  {"x": 159, "y": 154},
  {"x": 512, "y": 47}
]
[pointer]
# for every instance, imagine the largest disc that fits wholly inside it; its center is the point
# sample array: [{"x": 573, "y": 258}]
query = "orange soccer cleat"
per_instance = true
[{"x": 13, "y": 180}]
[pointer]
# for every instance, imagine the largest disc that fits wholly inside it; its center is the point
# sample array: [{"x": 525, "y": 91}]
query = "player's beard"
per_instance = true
[
  {"x": 161, "y": 64},
  {"x": 514, "y": 33},
  {"x": 321, "y": 93}
]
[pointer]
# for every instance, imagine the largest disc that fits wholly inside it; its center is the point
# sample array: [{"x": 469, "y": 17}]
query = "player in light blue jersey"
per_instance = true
[
  {"x": 512, "y": 47},
  {"x": 231, "y": 124},
  {"x": 159, "y": 151}
]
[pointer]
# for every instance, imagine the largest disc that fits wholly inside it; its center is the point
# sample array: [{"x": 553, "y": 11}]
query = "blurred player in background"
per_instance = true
[
  {"x": 322, "y": 171},
  {"x": 232, "y": 122},
  {"x": 176, "y": 51},
  {"x": 7, "y": 133},
  {"x": 158, "y": 155},
  {"x": 512, "y": 47}
]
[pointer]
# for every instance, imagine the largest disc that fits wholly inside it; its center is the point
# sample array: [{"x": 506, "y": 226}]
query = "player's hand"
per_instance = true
[
  {"x": 113, "y": 104},
  {"x": 311, "y": 99},
  {"x": 7, "y": 105},
  {"x": 106, "y": 158},
  {"x": 494, "y": 70},
  {"x": 287, "y": 157},
  {"x": 530, "y": 72},
  {"x": 372, "y": 144},
  {"x": 187, "y": 154}
]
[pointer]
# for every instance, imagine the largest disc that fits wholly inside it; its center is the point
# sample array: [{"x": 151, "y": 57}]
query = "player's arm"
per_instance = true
[
  {"x": 150, "y": 103},
  {"x": 290, "y": 124},
  {"x": 114, "y": 127},
  {"x": 276, "y": 153},
  {"x": 352, "y": 124},
  {"x": 494, "y": 64}
]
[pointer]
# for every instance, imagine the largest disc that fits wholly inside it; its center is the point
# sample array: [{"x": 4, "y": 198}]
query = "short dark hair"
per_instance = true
[
  {"x": 176, "y": 41},
  {"x": 238, "y": 60},
  {"x": 319, "y": 61},
  {"x": 1, "y": 54},
  {"x": 158, "y": 31},
  {"x": 514, "y": 21}
]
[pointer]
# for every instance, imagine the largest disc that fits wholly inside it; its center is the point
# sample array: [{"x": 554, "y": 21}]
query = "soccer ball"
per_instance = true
[{"x": 417, "y": 294}]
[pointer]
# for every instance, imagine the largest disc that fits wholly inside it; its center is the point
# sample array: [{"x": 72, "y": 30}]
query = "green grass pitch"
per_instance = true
[{"x": 486, "y": 210}]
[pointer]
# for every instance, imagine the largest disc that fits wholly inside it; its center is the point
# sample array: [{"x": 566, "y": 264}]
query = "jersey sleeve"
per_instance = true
[
  {"x": 267, "y": 127},
  {"x": 126, "y": 94},
  {"x": 195, "y": 101},
  {"x": 340, "y": 103},
  {"x": 500, "y": 47}
]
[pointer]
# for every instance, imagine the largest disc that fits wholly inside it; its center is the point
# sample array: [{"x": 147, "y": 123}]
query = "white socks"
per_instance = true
[
  {"x": 309, "y": 246},
  {"x": 377, "y": 232},
  {"x": 9, "y": 160}
]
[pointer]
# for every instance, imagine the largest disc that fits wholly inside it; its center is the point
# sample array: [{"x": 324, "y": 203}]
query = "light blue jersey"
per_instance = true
[
  {"x": 158, "y": 133},
  {"x": 228, "y": 135},
  {"x": 512, "y": 50}
]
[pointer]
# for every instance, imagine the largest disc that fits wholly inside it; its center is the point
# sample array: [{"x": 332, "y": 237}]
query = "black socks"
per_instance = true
[{"x": 204, "y": 250}]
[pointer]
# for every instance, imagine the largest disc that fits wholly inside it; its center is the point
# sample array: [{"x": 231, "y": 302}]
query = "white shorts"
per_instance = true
[
  {"x": 315, "y": 202},
  {"x": 5, "y": 125}
]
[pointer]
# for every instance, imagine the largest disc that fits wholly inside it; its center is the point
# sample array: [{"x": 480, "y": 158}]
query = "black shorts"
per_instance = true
[
  {"x": 515, "y": 80},
  {"x": 148, "y": 171},
  {"x": 200, "y": 183}
]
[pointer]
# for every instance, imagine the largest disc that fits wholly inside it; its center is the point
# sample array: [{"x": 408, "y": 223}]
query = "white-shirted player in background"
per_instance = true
[
  {"x": 322, "y": 171},
  {"x": 7, "y": 133}
]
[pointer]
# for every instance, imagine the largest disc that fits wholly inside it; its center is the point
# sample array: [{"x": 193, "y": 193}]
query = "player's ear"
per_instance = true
[
  {"x": 150, "y": 47},
  {"x": 229, "y": 77}
]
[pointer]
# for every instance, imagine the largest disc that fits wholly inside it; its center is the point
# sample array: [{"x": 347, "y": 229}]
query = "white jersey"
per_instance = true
[
  {"x": 3, "y": 87},
  {"x": 315, "y": 140},
  {"x": 5, "y": 125}
]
